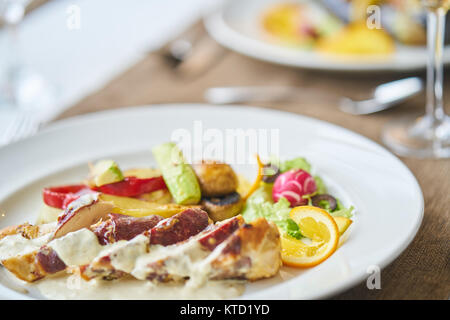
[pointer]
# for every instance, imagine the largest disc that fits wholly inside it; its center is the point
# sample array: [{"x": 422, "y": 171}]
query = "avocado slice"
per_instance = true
[
  {"x": 179, "y": 176},
  {"x": 106, "y": 172}
]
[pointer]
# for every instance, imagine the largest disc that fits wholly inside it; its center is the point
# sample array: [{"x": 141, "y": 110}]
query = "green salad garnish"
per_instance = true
[{"x": 260, "y": 203}]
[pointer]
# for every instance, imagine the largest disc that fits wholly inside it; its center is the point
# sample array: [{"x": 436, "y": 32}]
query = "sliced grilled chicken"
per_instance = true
[
  {"x": 179, "y": 227},
  {"x": 81, "y": 246},
  {"x": 181, "y": 261},
  {"x": 25, "y": 267},
  {"x": 120, "y": 227},
  {"x": 116, "y": 261},
  {"x": 227, "y": 250},
  {"x": 120, "y": 260},
  {"x": 28, "y": 231},
  {"x": 182, "y": 247},
  {"x": 252, "y": 252}
]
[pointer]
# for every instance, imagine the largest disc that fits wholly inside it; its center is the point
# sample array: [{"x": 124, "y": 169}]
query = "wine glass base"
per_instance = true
[{"x": 418, "y": 137}]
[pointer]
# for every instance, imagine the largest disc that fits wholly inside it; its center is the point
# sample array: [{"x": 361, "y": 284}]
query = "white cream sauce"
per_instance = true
[
  {"x": 14, "y": 245},
  {"x": 81, "y": 247},
  {"x": 77, "y": 248},
  {"x": 83, "y": 201},
  {"x": 72, "y": 287},
  {"x": 123, "y": 254},
  {"x": 181, "y": 259}
]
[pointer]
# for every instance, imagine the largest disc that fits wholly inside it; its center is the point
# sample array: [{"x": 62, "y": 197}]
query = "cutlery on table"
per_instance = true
[
  {"x": 384, "y": 96},
  {"x": 178, "y": 49},
  {"x": 227, "y": 95},
  {"x": 192, "y": 52}
]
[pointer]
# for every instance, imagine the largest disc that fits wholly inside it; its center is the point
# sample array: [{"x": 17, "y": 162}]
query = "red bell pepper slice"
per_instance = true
[
  {"x": 60, "y": 197},
  {"x": 132, "y": 186}
]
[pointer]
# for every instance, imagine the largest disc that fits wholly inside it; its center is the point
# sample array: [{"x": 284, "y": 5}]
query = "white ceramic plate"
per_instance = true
[
  {"x": 388, "y": 199},
  {"x": 236, "y": 25}
]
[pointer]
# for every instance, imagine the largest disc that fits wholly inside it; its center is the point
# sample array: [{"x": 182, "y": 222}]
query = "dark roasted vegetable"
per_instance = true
[
  {"x": 221, "y": 208},
  {"x": 215, "y": 178},
  {"x": 271, "y": 172}
]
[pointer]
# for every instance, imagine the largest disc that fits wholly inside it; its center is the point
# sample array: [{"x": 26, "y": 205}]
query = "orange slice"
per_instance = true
[{"x": 322, "y": 238}]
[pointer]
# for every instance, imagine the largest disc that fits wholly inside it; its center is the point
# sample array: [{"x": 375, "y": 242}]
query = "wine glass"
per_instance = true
[
  {"x": 22, "y": 89},
  {"x": 427, "y": 136}
]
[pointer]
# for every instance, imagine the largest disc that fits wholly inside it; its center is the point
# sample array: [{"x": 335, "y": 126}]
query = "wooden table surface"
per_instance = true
[{"x": 422, "y": 271}]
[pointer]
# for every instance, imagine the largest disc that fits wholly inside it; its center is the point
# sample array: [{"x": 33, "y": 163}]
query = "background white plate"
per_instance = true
[
  {"x": 237, "y": 26},
  {"x": 388, "y": 199}
]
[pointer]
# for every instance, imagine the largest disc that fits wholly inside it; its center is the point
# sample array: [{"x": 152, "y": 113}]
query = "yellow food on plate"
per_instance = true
[
  {"x": 139, "y": 208},
  {"x": 342, "y": 223},
  {"x": 357, "y": 39},
  {"x": 322, "y": 234},
  {"x": 283, "y": 22},
  {"x": 142, "y": 173},
  {"x": 243, "y": 185},
  {"x": 158, "y": 196}
]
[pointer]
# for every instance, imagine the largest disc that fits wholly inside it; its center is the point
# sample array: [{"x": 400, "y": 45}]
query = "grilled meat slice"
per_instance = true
[
  {"x": 253, "y": 252},
  {"x": 249, "y": 251},
  {"x": 122, "y": 227},
  {"x": 21, "y": 256},
  {"x": 229, "y": 249},
  {"x": 25, "y": 267},
  {"x": 106, "y": 266},
  {"x": 178, "y": 262},
  {"x": 49, "y": 261},
  {"x": 179, "y": 227},
  {"x": 34, "y": 265},
  {"x": 41, "y": 261},
  {"x": 45, "y": 260},
  {"x": 116, "y": 261},
  {"x": 215, "y": 235},
  {"x": 27, "y": 230}
]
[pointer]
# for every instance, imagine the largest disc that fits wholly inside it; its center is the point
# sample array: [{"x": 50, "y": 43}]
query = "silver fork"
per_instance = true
[{"x": 24, "y": 125}]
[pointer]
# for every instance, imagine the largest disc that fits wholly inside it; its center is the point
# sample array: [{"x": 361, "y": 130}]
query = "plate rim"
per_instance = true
[{"x": 334, "y": 290}]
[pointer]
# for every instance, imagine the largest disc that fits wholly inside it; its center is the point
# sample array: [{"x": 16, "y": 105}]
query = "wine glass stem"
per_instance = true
[{"x": 435, "y": 70}]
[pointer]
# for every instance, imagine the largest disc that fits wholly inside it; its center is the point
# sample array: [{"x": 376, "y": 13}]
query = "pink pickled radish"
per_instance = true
[{"x": 293, "y": 185}]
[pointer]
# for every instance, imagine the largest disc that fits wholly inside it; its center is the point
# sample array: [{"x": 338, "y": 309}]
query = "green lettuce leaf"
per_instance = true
[
  {"x": 342, "y": 211},
  {"x": 321, "y": 187},
  {"x": 260, "y": 204},
  {"x": 296, "y": 163}
]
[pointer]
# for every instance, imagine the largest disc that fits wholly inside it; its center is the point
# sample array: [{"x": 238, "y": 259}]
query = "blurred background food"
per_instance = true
[{"x": 342, "y": 27}]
